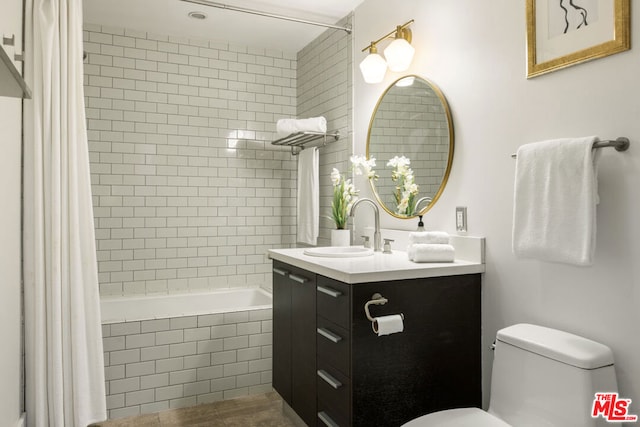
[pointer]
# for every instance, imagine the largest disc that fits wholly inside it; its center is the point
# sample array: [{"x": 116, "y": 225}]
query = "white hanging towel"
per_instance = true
[
  {"x": 285, "y": 127},
  {"x": 556, "y": 193},
  {"x": 308, "y": 196}
]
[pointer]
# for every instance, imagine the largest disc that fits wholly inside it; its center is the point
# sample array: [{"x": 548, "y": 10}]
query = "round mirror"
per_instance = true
[{"x": 411, "y": 138}]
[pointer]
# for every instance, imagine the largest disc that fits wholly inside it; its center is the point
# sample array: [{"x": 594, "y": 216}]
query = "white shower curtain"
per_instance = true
[{"x": 63, "y": 341}]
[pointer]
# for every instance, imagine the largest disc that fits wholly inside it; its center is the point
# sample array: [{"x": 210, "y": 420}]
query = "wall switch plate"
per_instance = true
[{"x": 461, "y": 218}]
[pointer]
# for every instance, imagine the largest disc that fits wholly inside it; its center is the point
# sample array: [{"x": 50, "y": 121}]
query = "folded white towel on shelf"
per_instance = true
[
  {"x": 555, "y": 197},
  {"x": 430, "y": 252},
  {"x": 441, "y": 237},
  {"x": 308, "y": 196},
  {"x": 285, "y": 127}
]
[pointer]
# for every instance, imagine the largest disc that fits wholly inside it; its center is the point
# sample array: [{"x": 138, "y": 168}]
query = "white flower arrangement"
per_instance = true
[
  {"x": 406, "y": 187},
  {"x": 361, "y": 165},
  {"x": 344, "y": 192}
]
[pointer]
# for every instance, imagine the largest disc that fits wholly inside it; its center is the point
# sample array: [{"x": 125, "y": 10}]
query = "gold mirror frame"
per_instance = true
[{"x": 445, "y": 178}]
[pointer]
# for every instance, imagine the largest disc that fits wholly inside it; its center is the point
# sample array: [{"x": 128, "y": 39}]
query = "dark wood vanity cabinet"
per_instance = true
[{"x": 365, "y": 380}]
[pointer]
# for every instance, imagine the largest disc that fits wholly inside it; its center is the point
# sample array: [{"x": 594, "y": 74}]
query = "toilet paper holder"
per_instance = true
[{"x": 376, "y": 299}]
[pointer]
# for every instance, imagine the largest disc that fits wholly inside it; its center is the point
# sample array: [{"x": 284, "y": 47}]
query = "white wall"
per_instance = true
[
  {"x": 10, "y": 303},
  {"x": 476, "y": 52}
]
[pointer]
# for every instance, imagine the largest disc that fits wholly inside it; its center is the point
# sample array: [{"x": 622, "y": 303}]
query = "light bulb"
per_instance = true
[{"x": 399, "y": 55}]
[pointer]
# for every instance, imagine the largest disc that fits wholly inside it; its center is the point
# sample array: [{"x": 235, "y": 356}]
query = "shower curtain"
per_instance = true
[{"x": 64, "y": 364}]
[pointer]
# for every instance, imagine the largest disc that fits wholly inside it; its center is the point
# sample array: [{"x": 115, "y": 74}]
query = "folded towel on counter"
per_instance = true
[
  {"x": 555, "y": 197},
  {"x": 440, "y": 237},
  {"x": 429, "y": 252},
  {"x": 285, "y": 127},
  {"x": 308, "y": 196}
]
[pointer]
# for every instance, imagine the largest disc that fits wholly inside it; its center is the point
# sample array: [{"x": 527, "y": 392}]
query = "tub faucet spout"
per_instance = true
[{"x": 377, "y": 245}]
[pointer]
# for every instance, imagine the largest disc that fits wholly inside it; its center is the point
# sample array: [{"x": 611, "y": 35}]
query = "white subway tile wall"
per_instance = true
[
  {"x": 188, "y": 192},
  {"x": 324, "y": 89},
  {"x": 160, "y": 364}
]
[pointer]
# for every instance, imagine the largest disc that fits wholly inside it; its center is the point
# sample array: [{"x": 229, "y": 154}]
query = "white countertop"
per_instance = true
[{"x": 375, "y": 268}]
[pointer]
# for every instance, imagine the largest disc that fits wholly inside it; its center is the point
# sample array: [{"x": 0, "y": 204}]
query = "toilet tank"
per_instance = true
[{"x": 545, "y": 377}]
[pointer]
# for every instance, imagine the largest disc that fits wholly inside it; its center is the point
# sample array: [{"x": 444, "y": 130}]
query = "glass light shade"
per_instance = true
[
  {"x": 373, "y": 68},
  {"x": 399, "y": 55}
]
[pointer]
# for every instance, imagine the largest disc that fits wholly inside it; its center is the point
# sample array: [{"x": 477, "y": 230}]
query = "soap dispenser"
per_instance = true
[{"x": 420, "y": 224}]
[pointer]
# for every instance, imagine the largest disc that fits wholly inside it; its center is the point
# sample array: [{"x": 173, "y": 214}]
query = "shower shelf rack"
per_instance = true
[{"x": 298, "y": 141}]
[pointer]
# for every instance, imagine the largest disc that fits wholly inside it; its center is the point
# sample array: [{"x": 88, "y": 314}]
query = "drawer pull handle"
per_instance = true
[
  {"x": 280, "y": 271},
  {"x": 326, "y": 419},
  {"x": 298, "y": 279},
  {"x": 329, "y": 335},
  {"x": 329, "y": 379},
  {"x": 329, "y": 291}
]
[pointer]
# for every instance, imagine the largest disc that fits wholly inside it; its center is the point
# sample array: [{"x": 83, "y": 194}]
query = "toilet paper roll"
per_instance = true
[{"x": 385, "y": 325}]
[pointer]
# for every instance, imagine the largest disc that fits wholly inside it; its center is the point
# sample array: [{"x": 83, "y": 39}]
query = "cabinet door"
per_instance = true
[
  {"x": 294, "y": 338},
  {"x": 303, "y": 344},
  {"x": 282, "y": 331},
  {"x": 434, "y": 364}
]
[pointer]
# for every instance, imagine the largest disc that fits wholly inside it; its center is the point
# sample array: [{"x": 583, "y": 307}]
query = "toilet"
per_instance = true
[{"x": 541, "y": 377}]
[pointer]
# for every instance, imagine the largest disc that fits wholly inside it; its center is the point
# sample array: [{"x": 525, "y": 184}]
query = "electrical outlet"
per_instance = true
[{"x": 461, "y": 218}]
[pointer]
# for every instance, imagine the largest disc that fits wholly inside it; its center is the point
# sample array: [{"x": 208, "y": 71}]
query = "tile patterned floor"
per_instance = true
[{"x": 263, "y": 410}]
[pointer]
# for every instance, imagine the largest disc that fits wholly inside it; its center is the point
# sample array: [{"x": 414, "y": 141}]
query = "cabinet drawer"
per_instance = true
[
  {"x": 327, "y": 416},
  {"x": 333, "y": 301},
  {"x": 333, "y": 344},
  {"x": 334, "y": 389}
]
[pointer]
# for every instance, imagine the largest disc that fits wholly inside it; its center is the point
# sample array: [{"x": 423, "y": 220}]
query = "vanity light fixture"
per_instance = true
[
  {"x": 373, "y": 67},
  {"x": 398, "y": 54}
]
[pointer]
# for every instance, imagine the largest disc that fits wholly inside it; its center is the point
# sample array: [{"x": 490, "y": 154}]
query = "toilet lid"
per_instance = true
[{"x": 464, "y": 417}]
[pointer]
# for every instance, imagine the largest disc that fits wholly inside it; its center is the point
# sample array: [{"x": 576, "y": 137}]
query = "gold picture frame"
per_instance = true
[{"x": 560, "y": 33}]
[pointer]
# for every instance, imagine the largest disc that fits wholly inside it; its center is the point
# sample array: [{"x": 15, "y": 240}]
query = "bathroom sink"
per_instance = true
[{"x": 339, "y": 251}]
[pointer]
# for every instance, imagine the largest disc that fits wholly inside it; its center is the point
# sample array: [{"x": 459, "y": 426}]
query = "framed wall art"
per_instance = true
[{"x": 561, "y": 33}]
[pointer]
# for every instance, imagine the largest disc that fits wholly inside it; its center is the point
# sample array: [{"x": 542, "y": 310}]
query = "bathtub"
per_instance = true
[
  {"x": 171, "y": 351},
  {"x": 124, "y": 309}
]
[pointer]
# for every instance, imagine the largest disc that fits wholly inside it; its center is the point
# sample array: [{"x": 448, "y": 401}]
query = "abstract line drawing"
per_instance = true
[{"x": 576, "y": 11}]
